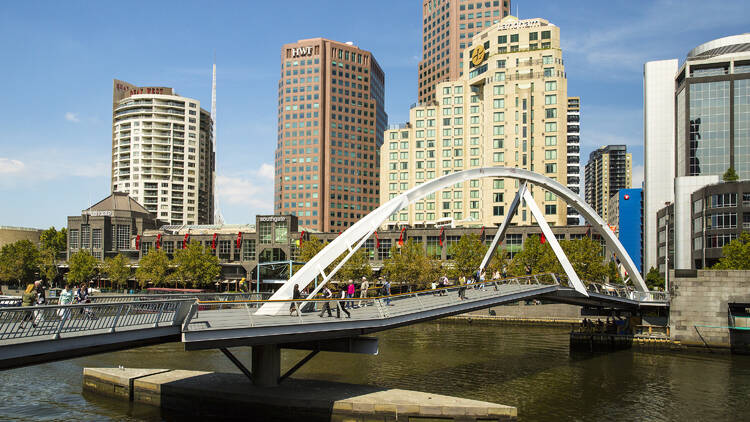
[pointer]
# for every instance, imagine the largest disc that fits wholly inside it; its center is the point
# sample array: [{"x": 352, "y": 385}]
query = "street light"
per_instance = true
[{"x": 666, "y": 253}]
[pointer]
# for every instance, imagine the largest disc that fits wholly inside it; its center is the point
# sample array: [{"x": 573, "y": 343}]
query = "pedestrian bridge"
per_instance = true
[{"x": 42, "y": 334}]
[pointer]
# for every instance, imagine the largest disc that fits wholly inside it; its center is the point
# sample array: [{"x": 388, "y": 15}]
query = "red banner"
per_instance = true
[
  {"x": 213, "y": 241},
  {"x": 440, "y": 236},
  {"x": 158, "y": 241},
  {"x": 301, "y": 237},
  {"x": 542, "y": 239},
  {"x": 401, "y": 237},
  {"x": 185, "y": 240},
  {"x": 138, "y": 242},
  {"x": 481, "y": 235},
  {"x": 377, "y": 240},
  {"x": 239, "y": 240}
]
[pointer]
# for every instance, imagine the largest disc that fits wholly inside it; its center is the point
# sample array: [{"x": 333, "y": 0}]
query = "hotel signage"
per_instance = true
[
  {"x": 520, "y": 24},
  {"x": 271, "y": 219},
  {"x": 301, "y": 51}
]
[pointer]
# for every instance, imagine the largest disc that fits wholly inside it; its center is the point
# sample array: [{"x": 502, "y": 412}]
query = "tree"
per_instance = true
[
  {"x": 309, "y": 248},
  {"x": 730, "y": 175},
  {"x": 405, "y": 264},
  {"x": 498, "y": 260},
  {"x": 83, "y": 267},
  {"x": 535, "y": 255},
  {"x": 195, "y": 264},
  {"x": 654, "y": 280},
  {"x": 736, "y": 254},
  {"x": 54, "y": 240},
  {"x": 356, "y": 267},
  {"x": 19, "y": 262},
  {"x": 585, "y": 255},
  {"x": 117, "y": 270},
  {"x": 613, "y": 273},
  {"x": 153, "y": 268},
  {"x": 467, "y": 255},
  {"x": 48, "y": 264}
]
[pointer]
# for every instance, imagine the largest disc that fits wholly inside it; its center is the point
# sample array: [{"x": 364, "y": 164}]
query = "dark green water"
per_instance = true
[{"x": 527, "y": 367}]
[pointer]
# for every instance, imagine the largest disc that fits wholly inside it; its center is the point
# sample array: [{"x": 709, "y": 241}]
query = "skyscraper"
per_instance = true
[
  {"x": 509, "y": 109},
  {"x": 610, "y": 168},
  {"x": 331, "y": 119},
  {"x": 574, "y": 154},
  {"x": 163, "y": 153},
  {"x": 447, "y": 29}
]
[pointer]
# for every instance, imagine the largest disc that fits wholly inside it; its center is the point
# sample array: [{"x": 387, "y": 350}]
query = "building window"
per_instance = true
[
  {"x": 85, "y": 236},
  {"x": 123, "y": 236},
  {"x": 498, "y": 210},
  {"x": 721, "y": 200},
  {"x": 264, "y": 233},
  {"x": 248, "y": 250},
  {"x": 281, "y": 232},
  {"x": 721, "y": 221},
  {"x": 96, "y": 238},
  {"x": 550, "y": 209},
  {"x": 73, "y": 238},
  {"x": 168, "y": 247},
  {"x": 225, "y": 248},
  {"x": 384, "y": 251}
]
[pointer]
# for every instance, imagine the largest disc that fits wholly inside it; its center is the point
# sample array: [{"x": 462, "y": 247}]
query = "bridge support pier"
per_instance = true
[{"x": 266, "y": 365}]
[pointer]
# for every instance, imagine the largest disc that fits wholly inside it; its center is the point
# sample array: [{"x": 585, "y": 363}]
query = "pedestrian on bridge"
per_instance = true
[
  {"x": 341, "y": 305},
  {"x": 363, "y": 291},
  {"x": 66, "y": 298},
  {"x": 350, "y": 290},
  {"x": 295, "y": 295},
  {"x": 327, "y": 294},
  {"x": 387, "y": 292},
  {"x": 41, "y": 300},
  {"x": 28, "y": 298},
  {"x": 462, "y": 287}
]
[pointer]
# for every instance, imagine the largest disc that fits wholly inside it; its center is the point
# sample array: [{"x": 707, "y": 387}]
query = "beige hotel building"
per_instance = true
[
  {"x": 163, "y": 153},
  {"x": 508, "y": 109},
  {"x": 331, "y": 119},
  {"x": 447, "y": 29}
]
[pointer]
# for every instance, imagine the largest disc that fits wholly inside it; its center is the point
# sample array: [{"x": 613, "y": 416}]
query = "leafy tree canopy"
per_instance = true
[
  {"x": 195, "y": 265},
  {"x": 117, "y": 270},
  {"x": 54, "y": 240},
  {"x": 736, "y": 254},
  {"x": 730, "y": 175},
  {"x": 467, "y": 255},
  {"x": 19, "y": 261},
  {"x": 153, "y": 268},
  {"x": 83, "y": 267},
  {"x": 653, "y": 280}
]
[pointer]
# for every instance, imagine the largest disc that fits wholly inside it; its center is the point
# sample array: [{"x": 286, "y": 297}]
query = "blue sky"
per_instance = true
[{"x": 59, "y": 59}]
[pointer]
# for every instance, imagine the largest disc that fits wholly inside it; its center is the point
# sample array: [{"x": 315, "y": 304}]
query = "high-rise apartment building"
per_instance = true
[
  {"x": 331, "y": 119},
  {"x": 610, "y": 168},
  {"x": 163, "y": 153},
  {"x": 508, "y": 109},
  {"x": 658, "y": 149},
  {"x": 574, "y": 154},
  {"x": 447, "y": 29}
]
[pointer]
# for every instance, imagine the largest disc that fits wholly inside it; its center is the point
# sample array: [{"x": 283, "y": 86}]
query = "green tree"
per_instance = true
[
  {"x": 54, "y": 240},
  {"x": 356, "y": 267},
  {"x": 195, "y": 265},
  {"x": 736, "y": 254},
  {"x": 613, "y": 274},
  {"x": 309, "y": 248},
  {"x": 48, "y": 264},
  {"x": 19, "y": 262},
  {"x": 153, "y": 268},
  {"x": 467, "y": 255},
  {"x": 730, "y": 175},
  {"x": 83, "y": 266},
  {"x": 537, "y": 256},
  {"x": 654, "y": 280},
  {"x": 498, "y": 260},
  {"x": 117, "y": 270},
  {"x": 405, "y": 264},
  {"x": 585, "y": 255}
]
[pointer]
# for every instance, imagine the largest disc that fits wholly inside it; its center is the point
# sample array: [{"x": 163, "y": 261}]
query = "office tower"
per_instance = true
[
  {"x": 163, "y": 152},
  {"x": 610, "y": 168},
  {"x": 331, "y": 119},
  {"x": 447, "y": 29},
  {"x": 658, "y": 149},
  {"x": 509, "y": 109},
  {"x": 574, "y": 154},
  {"x": 624, "y": 217}
]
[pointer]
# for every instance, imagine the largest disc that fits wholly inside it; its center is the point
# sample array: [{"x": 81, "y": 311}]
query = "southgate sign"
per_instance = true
[{"x": 529, "y": 23}]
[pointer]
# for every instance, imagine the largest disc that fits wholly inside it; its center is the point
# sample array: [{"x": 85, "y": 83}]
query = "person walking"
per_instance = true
[
  {"x": 350, "y": 290},
  {"x": 387, "y": 291},
  {"x": 41, "y": 300},
  {"x": 363, "y": 291},
  {"x": 27, "y": 300},
  {"x": 295, "y": 295},
  {"x": 462, "y": 287},
  {"x": 341, "y": 305},
  {"x": 66, "y": 298},
  {"x": 327, "y": 294}
]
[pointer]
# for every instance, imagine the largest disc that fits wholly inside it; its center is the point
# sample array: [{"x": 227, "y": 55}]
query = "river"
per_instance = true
[{"x": 523, "y": 366}]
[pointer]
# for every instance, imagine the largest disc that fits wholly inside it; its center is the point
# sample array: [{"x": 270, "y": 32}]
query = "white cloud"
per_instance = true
[
  {"x": 8, "y": 165},
  {"x": 72, "y": 117},
  {"x": 266, "y": 171}
]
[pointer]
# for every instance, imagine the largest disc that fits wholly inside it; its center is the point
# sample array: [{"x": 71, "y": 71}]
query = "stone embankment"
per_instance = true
[{"x": 224, "y": 395}]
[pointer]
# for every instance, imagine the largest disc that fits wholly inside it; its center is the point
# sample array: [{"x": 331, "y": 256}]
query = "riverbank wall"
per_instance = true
[
  {"x": 229, "y": 396},
  {"x": 699, "y": 315}
]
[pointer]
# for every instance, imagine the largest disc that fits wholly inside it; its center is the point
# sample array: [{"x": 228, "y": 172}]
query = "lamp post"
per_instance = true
[{"x": 666, "y": 252}]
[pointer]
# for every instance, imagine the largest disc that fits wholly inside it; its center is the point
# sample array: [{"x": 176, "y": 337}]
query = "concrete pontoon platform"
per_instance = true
[{"x": 226, "y": 395}]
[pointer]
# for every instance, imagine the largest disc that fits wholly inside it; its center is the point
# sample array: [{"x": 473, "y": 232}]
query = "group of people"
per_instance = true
[{"x": 36, "y": 295}]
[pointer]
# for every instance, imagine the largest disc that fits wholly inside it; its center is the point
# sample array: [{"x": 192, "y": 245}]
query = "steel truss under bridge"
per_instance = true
[{"x": 356, "y": 235}]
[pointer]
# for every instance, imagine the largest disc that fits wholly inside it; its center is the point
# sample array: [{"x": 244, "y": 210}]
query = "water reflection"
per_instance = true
[{"x": 527, "y": 367}]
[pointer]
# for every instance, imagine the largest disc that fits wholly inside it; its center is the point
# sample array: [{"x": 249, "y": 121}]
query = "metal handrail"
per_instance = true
[
  {"x": 51, "y": 301},
  {"x": 92, "y": 318}
]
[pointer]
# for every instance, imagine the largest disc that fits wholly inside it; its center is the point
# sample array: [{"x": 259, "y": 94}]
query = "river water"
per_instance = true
[{"x": 527, "y": 367}]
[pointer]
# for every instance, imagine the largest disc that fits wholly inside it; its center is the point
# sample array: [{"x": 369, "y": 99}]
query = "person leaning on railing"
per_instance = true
[{"x": 27, "y": 300}]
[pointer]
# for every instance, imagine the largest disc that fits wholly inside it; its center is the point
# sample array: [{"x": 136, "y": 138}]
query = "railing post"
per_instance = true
[
  {"x": 60, "y": 325},
  {"x": 117, "y": 317},
  {"x": 158, "y": 316},
  {"x": 249, "y": 315},
  {"x": 421, "y": 306}
]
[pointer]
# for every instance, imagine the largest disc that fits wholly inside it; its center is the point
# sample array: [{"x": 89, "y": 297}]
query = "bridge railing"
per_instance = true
[
  {"x": 104, "y": 298},
  {"x": 628, "y": 292},
  {"x": 375, "y": 307},
  {"x": 20, "y": 323}
]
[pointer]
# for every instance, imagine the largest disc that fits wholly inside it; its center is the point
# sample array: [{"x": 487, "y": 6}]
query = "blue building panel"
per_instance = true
[{"x": 629, "y": 224}]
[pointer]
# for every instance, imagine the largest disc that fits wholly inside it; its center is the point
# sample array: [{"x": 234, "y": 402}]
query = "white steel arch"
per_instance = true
[{"x": 351, "y": 239}]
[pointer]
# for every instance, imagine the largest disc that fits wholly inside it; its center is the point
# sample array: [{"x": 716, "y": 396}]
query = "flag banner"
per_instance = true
[
  {"x": 185, "y": 241},
  {"x": 213, "y": 241},
  {"x": 158, "y": 241}
]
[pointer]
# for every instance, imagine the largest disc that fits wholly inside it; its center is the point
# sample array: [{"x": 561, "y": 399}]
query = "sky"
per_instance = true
[{"x": 59, "y": 59}]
